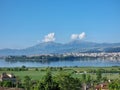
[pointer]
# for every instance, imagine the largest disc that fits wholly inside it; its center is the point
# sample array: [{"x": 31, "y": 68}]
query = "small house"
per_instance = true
[{"x": 7, "y": 77}]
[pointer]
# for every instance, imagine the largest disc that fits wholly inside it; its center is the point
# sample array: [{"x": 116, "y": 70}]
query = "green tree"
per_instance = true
[
  {"x": 18, "y": 82},
  {"x": 36, "y": 69},
  {"x": 84, "y": 77},
  {"x": 7, "y": 84},
  {"x": 47, "y": 83},
  {"x": 115, "y": 85},
  {"x": 99, "y": 75},
  {"x": 67, "y": 82},
  {"x": 27, "y": 82},
  {"x": 40, "y": 86},
  {"x": 23, "y": 67},
  {"x": 88, "y": 79}
]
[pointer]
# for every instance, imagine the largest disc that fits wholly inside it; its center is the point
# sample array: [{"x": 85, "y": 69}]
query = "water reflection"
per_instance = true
[{"x": 61, "y": 63}]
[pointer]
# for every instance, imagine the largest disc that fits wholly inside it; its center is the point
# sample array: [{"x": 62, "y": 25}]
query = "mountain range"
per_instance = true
[{"x": 58, "y": 48}]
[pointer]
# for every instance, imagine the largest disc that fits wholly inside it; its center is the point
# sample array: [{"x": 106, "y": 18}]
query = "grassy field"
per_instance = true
[{"x": 38, "y": 75}]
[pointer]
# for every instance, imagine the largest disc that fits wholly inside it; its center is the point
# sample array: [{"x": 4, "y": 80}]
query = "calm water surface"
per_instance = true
[{"x": 82, "y": 63}]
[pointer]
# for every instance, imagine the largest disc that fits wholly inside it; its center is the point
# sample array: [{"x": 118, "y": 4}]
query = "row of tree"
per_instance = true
[
  {"x": 61, "y": 81},
  {"x": 47, "y": 58}
]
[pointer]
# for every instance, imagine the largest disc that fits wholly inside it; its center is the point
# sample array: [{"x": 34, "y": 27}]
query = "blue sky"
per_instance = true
[{"x": 25, "y": 22}]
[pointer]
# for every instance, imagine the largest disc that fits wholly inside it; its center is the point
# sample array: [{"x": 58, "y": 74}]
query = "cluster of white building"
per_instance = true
[
  {"x": 93, "y": 54},
  {"x": 103, "y": 55}
]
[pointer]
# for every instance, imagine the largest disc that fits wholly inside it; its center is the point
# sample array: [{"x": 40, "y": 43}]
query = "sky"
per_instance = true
[{"x": 25, "y": 23}]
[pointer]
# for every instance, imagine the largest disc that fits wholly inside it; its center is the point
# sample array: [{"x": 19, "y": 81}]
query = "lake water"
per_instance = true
[{"x": 81, "y": 63}]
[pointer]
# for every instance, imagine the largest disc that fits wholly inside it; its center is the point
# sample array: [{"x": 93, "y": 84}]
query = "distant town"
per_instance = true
[
  {"x": 110, "y": 56},
  {"x": 65, "y": 56}
]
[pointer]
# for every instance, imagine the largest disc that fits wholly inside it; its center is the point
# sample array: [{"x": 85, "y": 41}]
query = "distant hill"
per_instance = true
[{"x": 74, "y": 46}]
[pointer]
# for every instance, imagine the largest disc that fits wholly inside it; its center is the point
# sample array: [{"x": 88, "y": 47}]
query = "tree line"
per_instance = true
[
  {"x": 47, "y": 58},
  {"x": 61, "y": 81}
]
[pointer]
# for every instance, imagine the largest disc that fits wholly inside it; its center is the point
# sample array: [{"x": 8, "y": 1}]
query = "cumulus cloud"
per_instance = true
[
  {"x": 82, "y": 35},
  {"x": 78, "y": 36},
  {"x": 49, "y": 38},
  {"x": 74, "y": 36}
]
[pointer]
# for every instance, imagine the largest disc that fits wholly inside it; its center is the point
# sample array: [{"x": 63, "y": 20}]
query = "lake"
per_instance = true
[{"x": 79, "y": 63}]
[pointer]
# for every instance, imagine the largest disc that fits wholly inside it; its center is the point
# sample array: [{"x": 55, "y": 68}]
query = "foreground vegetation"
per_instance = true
[{"x": 63, "y": 78}]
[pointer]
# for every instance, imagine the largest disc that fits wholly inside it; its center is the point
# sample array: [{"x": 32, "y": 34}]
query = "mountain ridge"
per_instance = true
[{"x": 53, "y": 47}]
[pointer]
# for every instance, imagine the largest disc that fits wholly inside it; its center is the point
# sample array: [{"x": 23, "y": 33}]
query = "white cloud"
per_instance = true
[
  {"x": 82, "y": 35},
  {"x": 49, "y": 38},
  {"x": 78, "y": 36},
  {"x": 74, "y": 36}
]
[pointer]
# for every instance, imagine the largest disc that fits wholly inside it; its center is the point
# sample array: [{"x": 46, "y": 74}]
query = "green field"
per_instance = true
[{"x": 74, "y": 71}]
